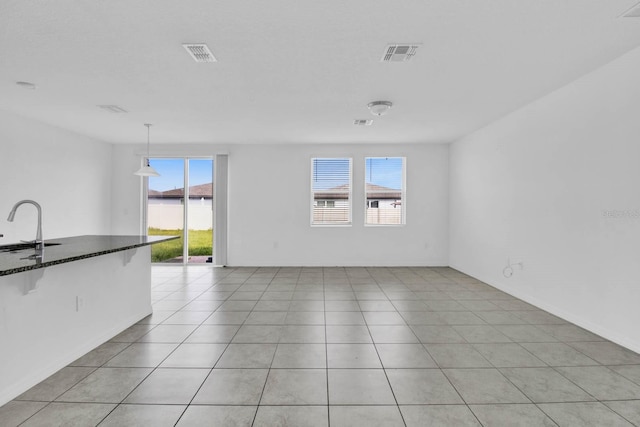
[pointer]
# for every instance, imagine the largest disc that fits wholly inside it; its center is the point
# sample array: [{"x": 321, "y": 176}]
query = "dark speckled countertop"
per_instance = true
[{"x": 70, "y": 249}]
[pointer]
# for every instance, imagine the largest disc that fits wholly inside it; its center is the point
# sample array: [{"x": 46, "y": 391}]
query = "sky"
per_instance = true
[
  {"x": 328, "y": 173},
  {"x": 172, "y": 173},
  {"x": 383, "y": 171}
]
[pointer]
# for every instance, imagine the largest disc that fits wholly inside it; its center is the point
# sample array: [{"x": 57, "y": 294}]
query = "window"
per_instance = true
[
  {"x": 385, "y": 190},
  {"x": 330, "y": 191},
  {"x": 325, "y": 203}
]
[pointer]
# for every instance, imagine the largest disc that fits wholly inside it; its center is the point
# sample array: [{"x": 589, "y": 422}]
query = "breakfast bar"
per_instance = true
[{"x": 66, "y": 298}]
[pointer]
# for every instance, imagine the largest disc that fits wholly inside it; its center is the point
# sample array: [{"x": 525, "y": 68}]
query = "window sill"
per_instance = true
[{"x": 385, "y": 225}]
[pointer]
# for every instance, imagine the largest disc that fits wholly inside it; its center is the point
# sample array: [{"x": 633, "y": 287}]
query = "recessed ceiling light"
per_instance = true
[
  {"x": 399, "y": 52},
  {"x": 633, "y": 12},
  {"x": 27, "y": 85},
  {"x": 363, "y": 122},
  {"x": 200, "y": 52},
  {"x": 379, "y": 108},
  {"x": 113, "y": 108}
]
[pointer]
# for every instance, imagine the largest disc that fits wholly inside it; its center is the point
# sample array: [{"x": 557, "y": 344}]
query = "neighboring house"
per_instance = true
[
  {"x": 383, "y": 205},
  {"x": 202, "y": 193},
  {"x": 165, "y": 208}
]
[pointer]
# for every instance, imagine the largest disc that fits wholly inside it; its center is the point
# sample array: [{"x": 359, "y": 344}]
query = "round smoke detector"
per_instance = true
[{"x": 379, "y": 108}]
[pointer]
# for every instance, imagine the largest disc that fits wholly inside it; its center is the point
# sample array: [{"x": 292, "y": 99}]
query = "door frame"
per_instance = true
[{"x": 185, "y": 179}]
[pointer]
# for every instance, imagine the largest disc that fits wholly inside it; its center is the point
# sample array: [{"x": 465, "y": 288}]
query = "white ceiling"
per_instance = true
[{"x": 296, "y": 71}]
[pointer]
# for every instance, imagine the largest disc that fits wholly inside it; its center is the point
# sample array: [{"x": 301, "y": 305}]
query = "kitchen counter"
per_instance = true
[
  {"x": 94, "y": 288},
  {"x": 68, "y": 249}
]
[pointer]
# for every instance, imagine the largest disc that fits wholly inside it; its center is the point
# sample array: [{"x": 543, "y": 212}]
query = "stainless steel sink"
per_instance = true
[{"x": 15, "y": 247}]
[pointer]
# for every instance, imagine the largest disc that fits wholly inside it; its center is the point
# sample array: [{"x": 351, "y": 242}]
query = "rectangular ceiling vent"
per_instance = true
[
  {"x": 634, "y": 12},
  {"x": 363, "y": 122},
  {"x": 400, "y": 52},
  {"x": 113, "y": 109},
  {"x": 199, "y": 52}
]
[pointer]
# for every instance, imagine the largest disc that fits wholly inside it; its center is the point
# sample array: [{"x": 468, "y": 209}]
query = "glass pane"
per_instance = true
[
  {"x": 165, "y": 209},
  {"x": 200, "y": 210},
  {"x": 331, "y": 191},
  {"x": 385, "y": 193}
]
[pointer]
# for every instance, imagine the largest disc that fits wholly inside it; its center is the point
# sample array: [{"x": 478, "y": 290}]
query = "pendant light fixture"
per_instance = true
[{"x": 147, "y": 170}]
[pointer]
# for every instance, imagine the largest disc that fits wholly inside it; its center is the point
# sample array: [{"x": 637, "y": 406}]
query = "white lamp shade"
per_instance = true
[{"x": 147, "y": 171}]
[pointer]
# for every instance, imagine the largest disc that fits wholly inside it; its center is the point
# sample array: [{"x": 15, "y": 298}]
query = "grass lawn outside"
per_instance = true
[{"x": 200, "y": 243}]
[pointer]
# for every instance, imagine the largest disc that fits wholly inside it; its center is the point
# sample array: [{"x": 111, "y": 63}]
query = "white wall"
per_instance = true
[
  {"x": 269, "y": 205},
  {"x": 556, "y": 184},
  {"x": 275, "y": 180},
  {"x": 68, "y": 174},
  {"x": 126, "y": 190}
]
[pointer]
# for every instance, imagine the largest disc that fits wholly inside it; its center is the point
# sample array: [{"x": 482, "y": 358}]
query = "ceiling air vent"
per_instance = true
[
  {"x": 634, "y": 12},
  {"x": 27, "y": 85},
  {"x": 113, "y": 108},
  {"x": 400, "y": 52},
  {"x": 199, "y": 52},
  {"x": 363, "y": 122}
]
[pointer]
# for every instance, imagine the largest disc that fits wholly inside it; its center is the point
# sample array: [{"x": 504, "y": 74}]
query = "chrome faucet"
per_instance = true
[{"x": 38, "y": 242}]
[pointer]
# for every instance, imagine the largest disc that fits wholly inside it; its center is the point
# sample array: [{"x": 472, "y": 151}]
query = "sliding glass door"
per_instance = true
[
  {"x": 200, "y": 211},
  {"x": 165, "y": 210},
  {"x": 180, "y": 203}
]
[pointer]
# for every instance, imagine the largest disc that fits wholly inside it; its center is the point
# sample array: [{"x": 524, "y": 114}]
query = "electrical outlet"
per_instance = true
[{"x": 79, "y": 304}]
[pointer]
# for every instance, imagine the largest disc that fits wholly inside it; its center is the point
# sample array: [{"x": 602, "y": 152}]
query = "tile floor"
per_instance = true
[{"x": 339, "y": 347}]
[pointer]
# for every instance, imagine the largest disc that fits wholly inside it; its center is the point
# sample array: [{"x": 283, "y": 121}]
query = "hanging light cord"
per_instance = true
[{"x": 148, "y": 127}]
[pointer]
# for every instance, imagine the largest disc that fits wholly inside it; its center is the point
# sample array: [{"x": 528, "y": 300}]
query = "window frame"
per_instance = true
[{"x": 403, "y": 193}]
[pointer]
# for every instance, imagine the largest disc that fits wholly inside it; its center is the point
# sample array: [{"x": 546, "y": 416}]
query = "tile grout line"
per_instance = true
[
  {"x": 264, "y": 386},
  {"x": 384, "y": 369},
  {"x": 158, "y": 367},
  {"x": 326, "y": 348}
]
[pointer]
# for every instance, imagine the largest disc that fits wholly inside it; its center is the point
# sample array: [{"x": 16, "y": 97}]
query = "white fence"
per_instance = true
[
  {"x": 384, "y": 215},
  {"x": 169, "y": 217}
]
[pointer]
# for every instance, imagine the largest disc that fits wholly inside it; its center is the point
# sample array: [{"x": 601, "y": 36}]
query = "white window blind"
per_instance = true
[
  {"x": 385, "y": 190},
  {"x": 330, "y": 191}
]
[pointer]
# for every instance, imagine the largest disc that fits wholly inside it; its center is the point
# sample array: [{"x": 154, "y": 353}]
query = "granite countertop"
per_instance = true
[{"x": 68, "y": 249}]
